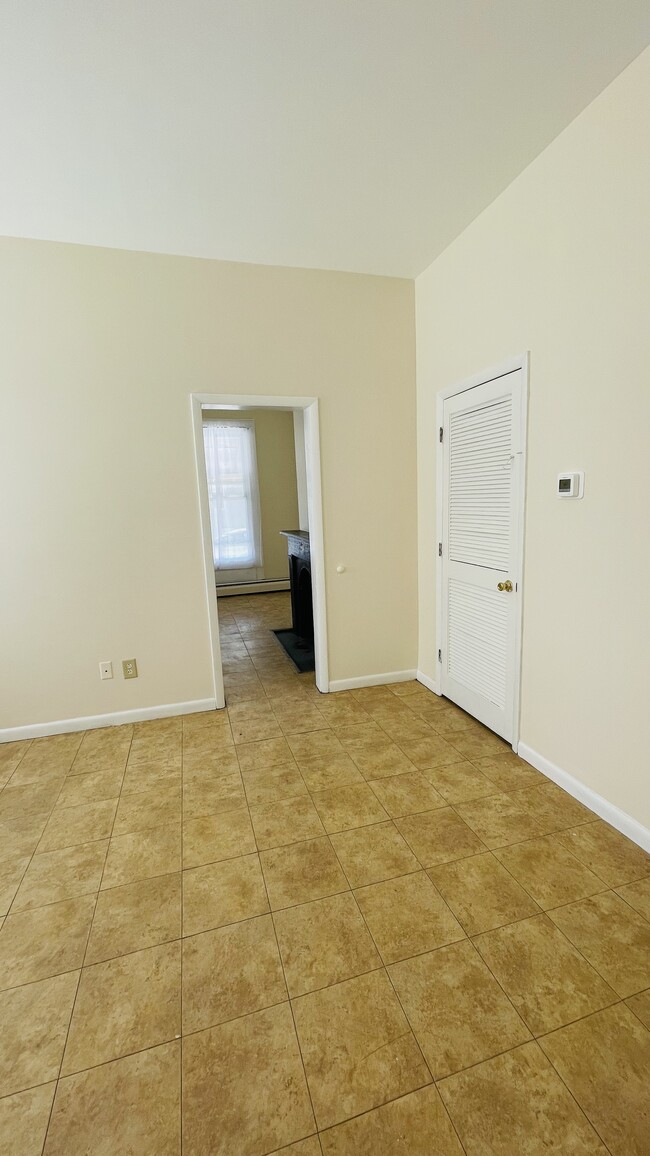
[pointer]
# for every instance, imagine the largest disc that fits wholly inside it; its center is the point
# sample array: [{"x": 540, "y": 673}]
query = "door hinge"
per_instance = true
[
  {"x": 440, "y": 549},
  {"x": 440, "y": 434},
  {"x": 439, "y": 656}
]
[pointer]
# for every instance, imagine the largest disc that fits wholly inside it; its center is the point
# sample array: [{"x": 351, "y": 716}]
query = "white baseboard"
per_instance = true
[
  {"x": 596, "y": 803},
  {"x": 430, "y": 683},
  {"x": 116, "y": 718},
  {"x": 372, "y": 680},
  {"x": 270, "y": 586}
]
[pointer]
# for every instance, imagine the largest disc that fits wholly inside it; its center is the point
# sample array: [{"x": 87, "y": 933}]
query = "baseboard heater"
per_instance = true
[{"x": 264, "y": 586}]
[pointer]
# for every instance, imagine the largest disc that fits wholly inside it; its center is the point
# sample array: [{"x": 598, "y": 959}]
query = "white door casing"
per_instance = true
[{"x": 481, "y": 478}]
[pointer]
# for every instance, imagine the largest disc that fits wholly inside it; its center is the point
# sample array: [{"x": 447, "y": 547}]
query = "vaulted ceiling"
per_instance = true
[{"x": 342, "y": 134}]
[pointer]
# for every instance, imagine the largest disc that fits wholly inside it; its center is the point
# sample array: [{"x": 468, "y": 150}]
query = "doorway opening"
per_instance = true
[{"x": 247, "y": 552}]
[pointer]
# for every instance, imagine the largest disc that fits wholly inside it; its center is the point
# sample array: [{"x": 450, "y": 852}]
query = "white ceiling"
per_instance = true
[{"x": 342, "y": 134}]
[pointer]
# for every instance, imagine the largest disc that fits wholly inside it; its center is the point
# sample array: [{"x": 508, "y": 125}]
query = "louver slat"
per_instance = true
[
  {"x": 477, "y": 640},
  {"x": 480, "y": 485}
]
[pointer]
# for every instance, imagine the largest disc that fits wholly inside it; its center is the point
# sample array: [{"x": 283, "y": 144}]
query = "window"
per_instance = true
[{"x": 233, "y": 491}]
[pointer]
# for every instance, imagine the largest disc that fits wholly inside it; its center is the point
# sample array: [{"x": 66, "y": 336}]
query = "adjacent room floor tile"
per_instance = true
[
  {"x": 260, "y": 756},
  {"x": 204, "y": 767},
  {"x": 308, "y": 1147},
  {"x": 149, "y": 809},
  {"x": 142, "y": 855},
  {"x": 289, "y": 821},
  {"x": 460, "y": 782},
  {"x": 35, "y": 1019},
  {"x": 430, "y": 752},
  {"x": 131, "y": 1105},
  {"x": 24, "y": 1118},
  {"x": 19, "y": 837},
  {"x": 342, "y": 808},
  {"x": 281, "y": 782},
  {"x": 439, "y": 836},
  {"x": 552, "y": 808},
  {"x": 64, "y": 874},
  {"x": 301, "y": 872},
  {"x": 324, "y": 942},
  {"x": 407, "y": 794},
  {"x": 46, "y": 941},
  {"x": 231, "y": 972},
  {"x": 221, "y": 893},
  {"x": 604, "y": 1060},
  {"x": 516, "y": 1103},
  {"x": 481, "y": 893},
  {"x": 358, "y": 735},
  {"x": 381, "y": 761},
  {"x": 498, "y": 820},
  {"x": 10, "y": 879},
  {"x": 214, "y": 837},
  {"x": 475, "y": 745},
  {"x": 212, "y": 796},
  {"x": 613, "y": 937},
  {"x": 254, "y": 729},
  {"x": 640, "y": 1005},
  {"x": 370, "y": 854},
  {"x": 548, "y": 981},
  {"x": 548, "y": 872},
  {"x": 325, "y": 771},
  {"x": 124, "y": 1005},
  {"x": 356, "y": 934},
  {"x": 17, "y": 802},
  {"x": 615, "y": 859},
  {"x": 458, "y": 1011},
  {"x": 68, "y": 826},
  {"x": 407, "y": 916},
  {"x": 509, "y": 772},
  {"x": 415, "y": 1125},
  {"x": 91, "y": 788},
  {"x": 135, "y": 916},
  {"x": 638, "y": 896},
  {"x": 357, "y": 1047},
  {"x": 223, "y": 1066}
]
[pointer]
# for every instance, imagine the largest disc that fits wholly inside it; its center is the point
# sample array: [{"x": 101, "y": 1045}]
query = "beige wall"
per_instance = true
[
  {"x": 276, "y": 471},
  {"x": 560, "y": 265},
  {"x": 100, "y": 528}
]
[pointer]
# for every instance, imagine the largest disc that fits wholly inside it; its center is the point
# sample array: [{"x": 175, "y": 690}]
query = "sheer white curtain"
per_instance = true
[{"x": 233, "y": 491}]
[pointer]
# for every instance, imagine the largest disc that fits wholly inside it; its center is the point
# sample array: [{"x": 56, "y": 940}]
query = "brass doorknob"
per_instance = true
[{"x": 507, "y": 585}]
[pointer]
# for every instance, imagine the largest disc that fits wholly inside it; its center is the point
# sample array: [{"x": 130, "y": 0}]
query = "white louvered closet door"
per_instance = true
[{"x": 482, "y": 492}]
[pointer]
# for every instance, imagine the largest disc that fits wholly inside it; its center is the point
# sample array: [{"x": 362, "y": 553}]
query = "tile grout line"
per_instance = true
[
  {"x": 265, "y": 681},
  {"x": 74, "y": 1002},
  {"x": 277, "y": 945},
  {"x": 49, "y": 815}
]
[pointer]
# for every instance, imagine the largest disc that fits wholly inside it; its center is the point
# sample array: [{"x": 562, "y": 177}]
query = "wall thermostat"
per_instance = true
[{"x": 571, "y": 485}]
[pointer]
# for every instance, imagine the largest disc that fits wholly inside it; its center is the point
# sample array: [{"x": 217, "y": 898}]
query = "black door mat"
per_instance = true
[{"x": 300, "y": 652}]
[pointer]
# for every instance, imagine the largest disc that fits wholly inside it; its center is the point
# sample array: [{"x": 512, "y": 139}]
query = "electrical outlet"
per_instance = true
[
  {"x": 106, "y": 670},
  {"x": 130, "y": 668}
]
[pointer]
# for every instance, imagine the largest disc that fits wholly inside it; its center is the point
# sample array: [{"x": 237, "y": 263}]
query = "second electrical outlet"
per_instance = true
[{"x": 130, "y": 668}]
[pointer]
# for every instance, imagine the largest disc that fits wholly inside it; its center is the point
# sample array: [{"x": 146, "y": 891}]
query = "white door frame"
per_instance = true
[
  {"x": 309, "y": 408},
  {"x": 522, "y": 362}
]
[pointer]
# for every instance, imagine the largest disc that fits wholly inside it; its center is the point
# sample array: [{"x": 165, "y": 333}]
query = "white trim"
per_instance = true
[
  {"x": 115, "y": 719},
  {"x": 511, "y": 365},
  {"x": 428, "y": 682},
  {"x": 316, "y": 543},
  {"x": 263, "y": 586},
  {"x": 309, "y": 405},
  {"x": 596, "y": 803},
  {"x": 208, "y": 554},
  {"x": 372, "y": 680}
]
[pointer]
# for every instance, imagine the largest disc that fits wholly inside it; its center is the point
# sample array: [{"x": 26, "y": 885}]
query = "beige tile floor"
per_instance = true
[{"x": 344, "y": 924}]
